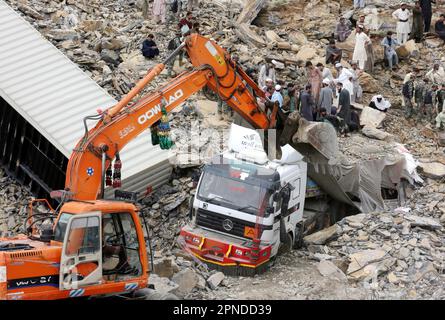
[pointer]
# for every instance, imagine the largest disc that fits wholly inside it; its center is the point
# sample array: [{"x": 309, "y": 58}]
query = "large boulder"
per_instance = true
[
  {"x": 306, "y": 53},
  {"x": 371, "y": 117},
  {"x": 368, "y": 83},
  {"x": 433, "y": 170},
  {"x": 165, "y": 267},
  {"x": 323, "y": 236},
  {"x": 407, "y": 49}
]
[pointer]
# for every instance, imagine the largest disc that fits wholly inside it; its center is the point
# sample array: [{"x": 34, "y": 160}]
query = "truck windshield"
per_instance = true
[
  {"x": 233, "y": 193},
  {"x": 59, "y": 232}
]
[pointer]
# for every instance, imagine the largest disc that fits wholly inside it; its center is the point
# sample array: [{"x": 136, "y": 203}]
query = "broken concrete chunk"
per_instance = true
[
  {"x": 251, "y": 8},
  {"x": 215, "y": 279},
  {"x": 271, "y": 36},
  {"x": 323, "y": 236},
  {"x": 426, "y": 268},
  {"x": 30, "y": 11},
  {"x": 165, "y": 267},
  {"x": 330, "y": 270},
  {"x": 372, "y": 132},
  {"x": 423, "y": 222},
  {"x": 186, "y": 280},
  {"x": 362, "y": 258},
  {"x": 162, "y": 284},
  {"x": 433, "y": 170}
]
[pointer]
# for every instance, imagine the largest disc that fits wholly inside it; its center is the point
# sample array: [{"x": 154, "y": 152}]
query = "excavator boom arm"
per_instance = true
[{"x": 121, "y": 123}]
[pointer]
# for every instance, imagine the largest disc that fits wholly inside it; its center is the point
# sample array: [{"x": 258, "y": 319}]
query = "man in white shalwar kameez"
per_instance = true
[
  {"x": 159, "y": 10},
  {"x": 344, "y": 76},
  {"x": 361, "y": 40},
  {"x": 402, "y": 16}
]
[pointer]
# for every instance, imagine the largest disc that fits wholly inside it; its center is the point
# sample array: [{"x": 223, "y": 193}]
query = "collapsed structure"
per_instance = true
[{"x": 363, "y": 183}]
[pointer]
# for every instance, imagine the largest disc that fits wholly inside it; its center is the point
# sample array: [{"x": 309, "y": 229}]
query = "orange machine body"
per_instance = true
[{"x": 34, "y": 273}]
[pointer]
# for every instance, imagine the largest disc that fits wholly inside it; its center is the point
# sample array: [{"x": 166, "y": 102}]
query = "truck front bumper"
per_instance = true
[{"x": 230, "y": 255}]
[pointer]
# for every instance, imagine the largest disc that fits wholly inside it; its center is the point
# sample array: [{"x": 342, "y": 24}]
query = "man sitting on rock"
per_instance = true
[
  {"x": 440, "y": 27},
  {"x": 389, "y": 45},
  {"x": 380, "y": 103},
  {"x": 333, "y": 54},
  {"x": 149, "y": 47},
  {"x": 342, "y": 30}
]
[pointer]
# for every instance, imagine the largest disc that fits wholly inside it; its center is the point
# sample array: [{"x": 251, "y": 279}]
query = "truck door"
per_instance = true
[{"x": 81, "y": 259}]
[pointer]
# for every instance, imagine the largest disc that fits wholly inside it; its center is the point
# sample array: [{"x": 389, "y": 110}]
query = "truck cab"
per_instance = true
[
  {"x": 246, "y": 206},
  {"x": 96, "y": 248}
]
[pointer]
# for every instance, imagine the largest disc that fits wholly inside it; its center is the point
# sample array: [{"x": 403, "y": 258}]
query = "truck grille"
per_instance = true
[{"x": 219, "y": 222}]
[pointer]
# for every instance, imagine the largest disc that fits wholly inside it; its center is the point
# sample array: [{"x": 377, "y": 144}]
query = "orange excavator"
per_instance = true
[{"x": 89, "y": 246}]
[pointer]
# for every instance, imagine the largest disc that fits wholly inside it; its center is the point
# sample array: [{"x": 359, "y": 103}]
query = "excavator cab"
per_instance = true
[
  {"x": 102, "y": 246},
  {"x": 97, "y": 248}
]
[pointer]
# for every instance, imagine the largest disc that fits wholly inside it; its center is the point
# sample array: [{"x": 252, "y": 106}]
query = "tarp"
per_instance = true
[{"x": 356, "y": 183}]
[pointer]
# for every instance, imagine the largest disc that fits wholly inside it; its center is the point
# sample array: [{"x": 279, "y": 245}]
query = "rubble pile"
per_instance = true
[
  {"x": 175, "y": 271},
  {"x": 14, "y": 199},
  {"x": 396, "y": 254}
]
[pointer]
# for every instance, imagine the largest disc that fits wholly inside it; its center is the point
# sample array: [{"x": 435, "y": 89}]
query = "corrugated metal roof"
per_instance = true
[{"x": 54, "y": 95}]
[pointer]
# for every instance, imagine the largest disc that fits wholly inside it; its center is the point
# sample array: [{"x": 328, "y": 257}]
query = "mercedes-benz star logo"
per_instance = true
[{"x": 227, "y": 225}]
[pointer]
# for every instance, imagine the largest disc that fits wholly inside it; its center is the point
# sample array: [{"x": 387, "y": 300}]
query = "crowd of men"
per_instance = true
[
  {"x": 325, "y": 97},
  {"x": 424, "y": 95}
]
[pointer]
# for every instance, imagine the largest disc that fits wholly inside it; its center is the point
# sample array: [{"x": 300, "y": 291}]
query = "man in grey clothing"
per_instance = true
[
  {"x": 344, "y": 103},
  {"x": 326, "y": 98},
  {"x": 307, "y": 104}
]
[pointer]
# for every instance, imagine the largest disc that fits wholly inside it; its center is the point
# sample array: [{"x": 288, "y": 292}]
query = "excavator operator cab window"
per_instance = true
[
  {"x": 83, "y": 237},
  {"x": 59, "y": 232},
  {"x": 120, "y": 247}
]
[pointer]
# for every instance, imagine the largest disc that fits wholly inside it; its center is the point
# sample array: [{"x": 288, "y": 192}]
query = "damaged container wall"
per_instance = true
[
  {"x": 27, "y": 155},
  {"x": 52, "y": 95}
]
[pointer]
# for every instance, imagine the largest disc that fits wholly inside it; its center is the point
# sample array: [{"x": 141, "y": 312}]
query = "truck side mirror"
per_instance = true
[{"x": 276, "y": 197}]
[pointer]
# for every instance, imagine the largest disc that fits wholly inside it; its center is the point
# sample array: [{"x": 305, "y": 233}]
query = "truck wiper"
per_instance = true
[
  {"x": 210, "y": 199},
  {"x": 246, "y": 207}
]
